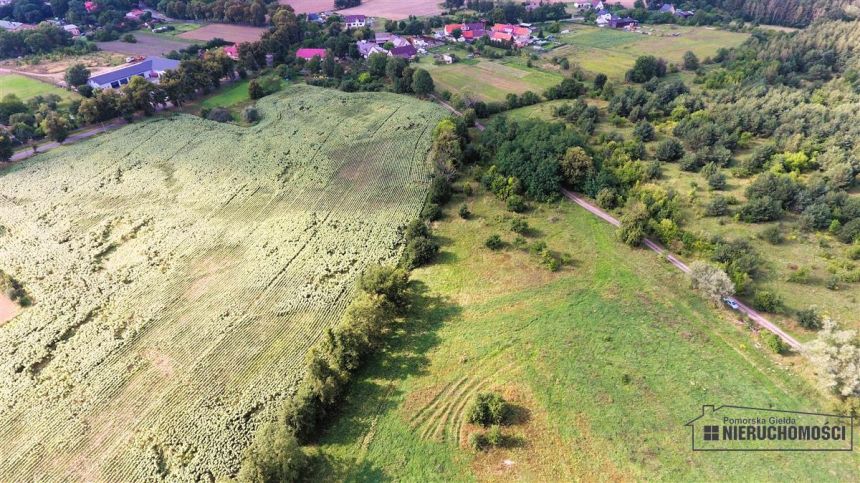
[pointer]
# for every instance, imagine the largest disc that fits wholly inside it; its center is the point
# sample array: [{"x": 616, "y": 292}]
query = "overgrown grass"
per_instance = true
[{"x": 608, "y": 359}]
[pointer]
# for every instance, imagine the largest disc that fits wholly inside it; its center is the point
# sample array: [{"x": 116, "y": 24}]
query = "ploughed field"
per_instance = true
[{"x": 180, "y": 269}]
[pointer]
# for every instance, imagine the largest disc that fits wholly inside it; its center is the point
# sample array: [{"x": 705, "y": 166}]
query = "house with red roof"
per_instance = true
[
  {"x": 505, "y": 32},
  {"x": 309, "y": 54},
  {"x": 232, "y": 51},
  {"x": 470, "y": 31}
]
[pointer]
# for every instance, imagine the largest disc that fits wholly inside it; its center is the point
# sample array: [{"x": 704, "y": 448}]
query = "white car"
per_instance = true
[{"x": 731, "y": 303}]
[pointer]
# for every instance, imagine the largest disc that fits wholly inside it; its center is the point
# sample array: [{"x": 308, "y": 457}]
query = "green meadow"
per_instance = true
[
  {"x": 604, "y": 362},
  {"x": 26, "y": 87}
]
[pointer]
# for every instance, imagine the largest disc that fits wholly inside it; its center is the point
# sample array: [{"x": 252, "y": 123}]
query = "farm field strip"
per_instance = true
[{"x": 237, "y": 240}]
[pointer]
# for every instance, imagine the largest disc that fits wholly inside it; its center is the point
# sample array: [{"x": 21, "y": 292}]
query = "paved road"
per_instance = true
[
  {"x": 674, "y": 260},
  {"x": 84, "y": 134}
]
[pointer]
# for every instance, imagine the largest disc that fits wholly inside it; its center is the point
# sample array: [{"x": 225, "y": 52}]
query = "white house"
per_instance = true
[
  {"x": 603, "y": 18},
  {"x": 355, "y": 21}
]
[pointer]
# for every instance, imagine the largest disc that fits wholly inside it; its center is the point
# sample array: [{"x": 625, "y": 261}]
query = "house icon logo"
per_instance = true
[{"x": 741, "y": 428}]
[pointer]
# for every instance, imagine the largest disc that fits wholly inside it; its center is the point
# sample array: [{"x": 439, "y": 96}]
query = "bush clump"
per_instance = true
[
  {"x": 773, "y": 342},
  {"x": 488, "y": 409},
  {"x": 494, "y": 242}
]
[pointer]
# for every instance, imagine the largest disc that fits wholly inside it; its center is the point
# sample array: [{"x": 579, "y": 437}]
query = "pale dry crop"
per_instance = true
[{"x": 181, "y": 268}]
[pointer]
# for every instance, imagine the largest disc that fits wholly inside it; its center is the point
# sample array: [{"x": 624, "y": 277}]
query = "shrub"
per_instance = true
[
  {"x": 717, "y": 181},
  {"x": 494, "y": 242},
  {"x": 431, "y": 212},
  {"x": 515, "y": 203},
  {"x": 478, "y": 441},
  {"x": 809, "y": 319},
  {"x": 835, "y": 354},
  {"x": 488, "y": 409},
  {"x": 710, "y": 281},
  {"x": 773, "y": 342},
  {"x": 832, "y": 283},
  {"x": 669, "y": 150},
  {"x": 219, "y": 114},
  {"x": 467, "y": 189},
  {"x": 644, "y": 131},
  {"x": 854, "y": 252},
  {"x": 772, "y": 235},
  {"x": 717, "y": 206},
  {"x": 519, "y": 225},
  {"x": 415, "y": 229},
  {"x": 464, "y": 211},
  {"x": 606, "y": 198},
  {"x": 761, "y": 209},
  {"x": 274, "y": 455},
  {"x": 129, "y": 38},
  {"x": 799, "y": 276},
  {"x": 549, "y": 261},
  {"x": 494, "y": 436},
  {"x": 250, "y": 114},
  {"x": 420, "y": 251},
  {"x": 767, "y": 301},
  {"x": 850, "y": 232},
  {"x": 440, "y": 191}
]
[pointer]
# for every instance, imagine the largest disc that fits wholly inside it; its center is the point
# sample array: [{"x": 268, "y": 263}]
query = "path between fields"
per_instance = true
[
  {"x": 84, "y": 134},
  {"x": 671, "y": 257},
  {"x": 674, "y": 260}
]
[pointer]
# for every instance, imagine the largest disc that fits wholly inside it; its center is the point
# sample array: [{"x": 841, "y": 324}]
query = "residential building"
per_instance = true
[
  {"x": 366, "y": 48},
  {"x": 309, "y": 54},
  {"x": 623, "y": 23},
  {"x": 15, "y": 26},
  {"x": 72, "y": 29},
  {"x": 355, "y": 21},
  {"x": 470, "y": 31},
  {"x": 406, "y": 52},
  {"x": 151, "y": 69},
  {"x": 603, "y": 18},
  {"x": 232, "y": 51},
  {"x": 667, "y": 8}
]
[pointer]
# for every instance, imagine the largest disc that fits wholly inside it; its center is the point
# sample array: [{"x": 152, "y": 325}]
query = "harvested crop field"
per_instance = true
[
  {"x": 230, "y": 33},
  {"x": 147, "y": 44},
  {"x": 180, "y": 269},
  {"x": 309, "y": 6},
  {"x": 395, "y": 9}
]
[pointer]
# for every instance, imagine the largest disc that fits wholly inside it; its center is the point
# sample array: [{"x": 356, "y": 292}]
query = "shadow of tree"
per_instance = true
[{"x": 375, "y": 390}]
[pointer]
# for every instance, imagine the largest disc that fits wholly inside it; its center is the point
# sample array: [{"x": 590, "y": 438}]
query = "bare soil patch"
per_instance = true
[
  {"x": 395, "y": 9},
  {"x": 145, "y": 45},
  {"x": 8, "y": 309},
  {"x": 309, "y": 6},
  {"x": 230, "y": 33}
]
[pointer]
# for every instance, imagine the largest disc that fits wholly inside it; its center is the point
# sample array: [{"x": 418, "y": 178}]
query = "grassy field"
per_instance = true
[
  {"x": 230, "y": 96},
  {"x": 181, "y": 268},
  {"x": 604, "y": 361},
  {"x": 147, "y": 43},
  {"x": 26, "y": 87},
  {"x": 489, "y": 80},
  {"x": 613, "y": 52}
]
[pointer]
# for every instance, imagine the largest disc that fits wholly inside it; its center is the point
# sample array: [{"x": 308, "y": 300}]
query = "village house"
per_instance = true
[
  {"x": 73, "y": 29},
  {"x": 667, "y": 8},
  {"x": 232, "y": 51},
  {"x": 366, "y": 48},
  {"x": 517, "y": 34},
  {"x": 15, "y": 26},
  {"x": 309, "y": 54},
  {"x": 407, "y": 52},
  {"x": 383, "y": 38},
  {"x": 623, "y": 23},
  {"x": 150, "y": 69},
  {"x": 355, "y": 21},
  {"x": 603, "y": 18},
  {"x": 447, "y": 58},
  {"x": 469, "y": 31},
  {"x": 135, "y": 14}
]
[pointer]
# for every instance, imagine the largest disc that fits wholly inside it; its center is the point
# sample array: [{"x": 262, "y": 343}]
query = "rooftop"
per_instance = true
[{"x": 156, "y": 64}]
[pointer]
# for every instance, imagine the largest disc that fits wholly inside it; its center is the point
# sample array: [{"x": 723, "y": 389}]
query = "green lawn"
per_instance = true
[
  {"x": 229, "y": 96},
  {"x": 605, "y": 362},
  {"x": 613, "y": 52},
  {"x": 25, "y": 87},
  {"x": 489, "y": 80}
]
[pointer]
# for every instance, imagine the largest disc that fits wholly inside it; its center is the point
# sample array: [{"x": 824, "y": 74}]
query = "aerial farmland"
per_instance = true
[{"x": 179, "y": 269}]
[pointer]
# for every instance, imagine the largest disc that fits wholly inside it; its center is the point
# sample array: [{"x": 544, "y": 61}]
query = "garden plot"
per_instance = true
[{"x": 180, "y": 269}]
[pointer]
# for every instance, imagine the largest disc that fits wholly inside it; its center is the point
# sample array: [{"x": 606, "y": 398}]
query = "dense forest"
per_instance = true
[{"x": 793, "y": 13}]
